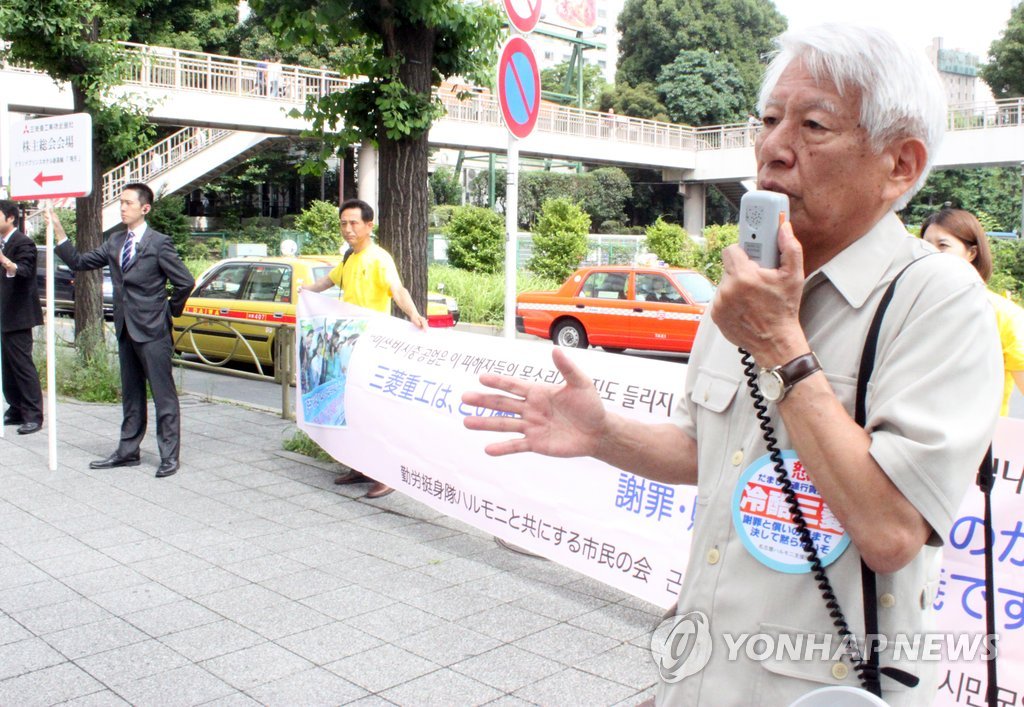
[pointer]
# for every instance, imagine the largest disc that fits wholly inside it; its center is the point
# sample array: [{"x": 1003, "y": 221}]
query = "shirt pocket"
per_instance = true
[{"x": 713, "y": 395}]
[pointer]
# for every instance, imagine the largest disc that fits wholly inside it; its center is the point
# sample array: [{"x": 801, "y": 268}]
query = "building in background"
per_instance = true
[
  {"x": 959, "y": 73},
  {"x": 596, "y": 19}
]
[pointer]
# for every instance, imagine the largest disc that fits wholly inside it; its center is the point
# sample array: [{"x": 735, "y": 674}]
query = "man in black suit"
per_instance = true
[
  {"x": 141, "y": 262},
  {"x": 19, "y": 312}
]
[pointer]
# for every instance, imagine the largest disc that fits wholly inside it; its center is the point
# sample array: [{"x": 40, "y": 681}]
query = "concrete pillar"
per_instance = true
[
  {"x": 693, "y": 208},
  {"x": 368, "y": 174}
]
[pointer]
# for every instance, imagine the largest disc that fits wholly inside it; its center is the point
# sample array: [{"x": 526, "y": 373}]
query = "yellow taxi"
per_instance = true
[{"x": 253, "y": 292}]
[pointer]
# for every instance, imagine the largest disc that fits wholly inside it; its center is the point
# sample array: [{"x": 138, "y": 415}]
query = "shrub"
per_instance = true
[
  {"x": 168, "y": 217},
  {"x": 258, "y": 230},
  {"x": 445, "y": 187},
  {"x": 708, "y": 259},
  {"x": 441, "y": 215},
  {"x": 559, "y": 239},
  {"x": 476, "y": 239},
  {"x": 481, "y": 296},
  {"x": 669, "y": 242},
  {"x": 320, "y": 222}
]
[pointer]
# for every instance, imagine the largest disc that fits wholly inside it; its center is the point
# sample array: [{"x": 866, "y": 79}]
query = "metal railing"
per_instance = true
[
  {"x": 1006, "y": 113},
  {"x": 283, "y": 354},
  {"x": 161, "y": 157},
  {"x": 180, "y": 70}
]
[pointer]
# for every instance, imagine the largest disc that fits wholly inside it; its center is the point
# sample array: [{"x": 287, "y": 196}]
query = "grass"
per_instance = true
[
  {"x": 300, "y": 443},
  {"x": 90, "y": 378},
  {"x": 481, "y": 296}
]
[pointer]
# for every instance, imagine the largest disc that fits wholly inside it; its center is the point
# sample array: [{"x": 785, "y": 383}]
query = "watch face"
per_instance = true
[{"x": 770, "y": 383}]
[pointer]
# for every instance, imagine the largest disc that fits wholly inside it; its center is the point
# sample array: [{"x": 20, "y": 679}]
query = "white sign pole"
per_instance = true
[
  {"x": 51, "y": 353},
  {"x": 511, "y": 234}
]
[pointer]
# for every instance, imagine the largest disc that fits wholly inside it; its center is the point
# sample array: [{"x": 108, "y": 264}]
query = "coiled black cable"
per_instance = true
[{"x": 865, "y": 672}]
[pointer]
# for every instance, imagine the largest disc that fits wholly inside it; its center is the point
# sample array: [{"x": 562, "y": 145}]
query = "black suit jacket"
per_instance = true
[
  {"x": 141, "y": 302},
  {"x": 19, "y": 295}
]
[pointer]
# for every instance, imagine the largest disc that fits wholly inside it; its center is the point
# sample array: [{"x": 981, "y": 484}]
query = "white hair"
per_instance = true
[{"x": 901, "y": 94}]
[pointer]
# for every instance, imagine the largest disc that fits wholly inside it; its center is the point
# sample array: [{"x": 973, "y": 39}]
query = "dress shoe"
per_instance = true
[
  {"x": 379, "y": 490},
  {"x": 115, "y": 460},
  {"x": 11, "y": 419},
  {"x": 167, "y": 468},
  {"x": 352, "y": 477},
  {"x": 30, "y": 427}
]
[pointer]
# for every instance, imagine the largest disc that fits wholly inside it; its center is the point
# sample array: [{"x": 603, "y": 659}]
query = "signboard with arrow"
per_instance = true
[{"x": 51, "y": 158}]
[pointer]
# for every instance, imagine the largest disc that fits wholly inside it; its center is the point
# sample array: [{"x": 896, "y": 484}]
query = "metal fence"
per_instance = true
[{"x": 284, "y": 355}]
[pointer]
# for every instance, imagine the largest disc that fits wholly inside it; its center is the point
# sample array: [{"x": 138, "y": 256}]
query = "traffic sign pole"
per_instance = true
[
  {"x": 519, "y": 100},
  {"x": 51, "y": 353},
  {"x": 511, "y": 234}
]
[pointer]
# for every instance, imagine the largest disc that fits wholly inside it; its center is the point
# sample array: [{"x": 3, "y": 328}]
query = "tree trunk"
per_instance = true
[
  {"x": 403, "y": 193},
  {"x": 89, "y": 227}
]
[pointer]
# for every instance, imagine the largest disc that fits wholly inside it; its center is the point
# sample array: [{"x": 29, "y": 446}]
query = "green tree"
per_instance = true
[
  {"x": 445, "y": 187},
  {"x": 641, "y": 101},
  {"x": 476, "y": 240},
  {"x": 559, "y": 239},
  {"x": 612, "y": 190},
  {"x": 193, "y": 25},
  {"x": 699, "y": 88},
  {"x": 670, "y": 242},
  {"x": 655, "y": 31},
  {"x": 478, "y": 192},
  {"x": 320, "y": 222},
  {"x": 407, "y": 47},
  {"x": 553, "y": 80},
  {"x": 1004, "y": 72},
  {"x": 994, "y": 191},
  {"x": 168, "y": 216},
  {"x": 74, "y": 42}
]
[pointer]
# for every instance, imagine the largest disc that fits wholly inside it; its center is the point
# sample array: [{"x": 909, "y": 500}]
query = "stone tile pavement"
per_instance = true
[{"x": 249, "y": 578}]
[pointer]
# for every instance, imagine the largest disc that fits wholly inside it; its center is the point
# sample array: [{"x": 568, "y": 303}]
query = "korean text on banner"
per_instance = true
[{"x": 385, "y": 399}]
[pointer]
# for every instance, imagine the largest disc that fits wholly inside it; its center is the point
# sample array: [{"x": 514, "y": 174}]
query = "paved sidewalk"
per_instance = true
[{"x": 250, "y": 578}]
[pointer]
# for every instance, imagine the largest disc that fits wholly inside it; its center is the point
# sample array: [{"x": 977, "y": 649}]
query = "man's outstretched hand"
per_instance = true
[{"x": 565, "y": 420}]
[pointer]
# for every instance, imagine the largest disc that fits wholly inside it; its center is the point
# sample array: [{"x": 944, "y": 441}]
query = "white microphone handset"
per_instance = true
[{"x": 761, "y": 215}]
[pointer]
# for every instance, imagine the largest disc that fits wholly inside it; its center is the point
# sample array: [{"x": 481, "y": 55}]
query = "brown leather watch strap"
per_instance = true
[{"x": 799, "y": 368}]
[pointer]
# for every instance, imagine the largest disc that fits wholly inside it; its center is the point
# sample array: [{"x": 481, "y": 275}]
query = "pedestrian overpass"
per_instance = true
[{"x": 231, "y": 109}]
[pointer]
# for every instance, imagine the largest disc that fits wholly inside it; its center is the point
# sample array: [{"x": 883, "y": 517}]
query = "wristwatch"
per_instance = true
[{"x": 776, "y": 382}]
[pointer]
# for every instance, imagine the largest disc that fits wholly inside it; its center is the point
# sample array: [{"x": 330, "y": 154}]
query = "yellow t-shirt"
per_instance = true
[
  {"x": 1010, "y": 320},
  {"x": 365, "y": 276}
]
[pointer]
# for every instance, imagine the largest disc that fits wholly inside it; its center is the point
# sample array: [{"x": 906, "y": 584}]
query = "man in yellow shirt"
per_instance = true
[{"x": 369, "y": 279}]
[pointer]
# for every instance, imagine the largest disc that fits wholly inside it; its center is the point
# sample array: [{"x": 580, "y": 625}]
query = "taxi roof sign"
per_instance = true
[{"x": 51, "y": 158}]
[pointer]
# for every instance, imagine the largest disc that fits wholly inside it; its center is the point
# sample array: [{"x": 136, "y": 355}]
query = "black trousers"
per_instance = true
[
  {"x": 141, "y": 362},
  {"x": 21, "y": 381}
]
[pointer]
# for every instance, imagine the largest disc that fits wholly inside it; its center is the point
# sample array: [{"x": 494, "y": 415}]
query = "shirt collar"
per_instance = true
[
  {"x": 856, "y": 271},
  {"x": 139, "y": 232}
]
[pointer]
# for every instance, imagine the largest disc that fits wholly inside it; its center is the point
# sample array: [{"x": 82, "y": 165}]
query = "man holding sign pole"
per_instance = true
[{"x": 19, "y": 313}]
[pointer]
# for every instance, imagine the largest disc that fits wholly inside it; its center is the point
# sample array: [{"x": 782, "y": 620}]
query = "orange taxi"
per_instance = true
[{"x": 619, "y": 307}]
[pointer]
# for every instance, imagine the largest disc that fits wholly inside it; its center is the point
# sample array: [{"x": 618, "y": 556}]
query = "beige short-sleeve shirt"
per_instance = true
[{"x": 932, "y": 405}]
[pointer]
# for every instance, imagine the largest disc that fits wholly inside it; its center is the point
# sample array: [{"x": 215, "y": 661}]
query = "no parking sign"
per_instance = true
[{"x": 518, "y": 87}]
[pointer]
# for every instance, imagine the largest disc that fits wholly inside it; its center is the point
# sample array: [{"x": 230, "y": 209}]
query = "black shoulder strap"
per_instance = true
[
  {"x": 985, "y": 482},
  {"x": 348, "y": 254},
  {"x": 868, "y": 585}
]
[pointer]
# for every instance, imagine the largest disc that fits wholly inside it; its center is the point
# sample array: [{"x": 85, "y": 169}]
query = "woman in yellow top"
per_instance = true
[{"x": 959, "y": 233}]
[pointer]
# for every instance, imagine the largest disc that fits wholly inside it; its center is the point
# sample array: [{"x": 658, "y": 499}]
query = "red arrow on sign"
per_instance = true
[{"x": 40, "y": 178}]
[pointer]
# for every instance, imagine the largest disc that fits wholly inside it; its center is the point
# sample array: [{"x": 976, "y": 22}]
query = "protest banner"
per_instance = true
[{"x": 385, "y": 398}]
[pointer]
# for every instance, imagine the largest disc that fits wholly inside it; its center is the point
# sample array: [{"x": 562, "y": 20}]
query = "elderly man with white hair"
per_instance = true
[{"x": 851, "y": 121}]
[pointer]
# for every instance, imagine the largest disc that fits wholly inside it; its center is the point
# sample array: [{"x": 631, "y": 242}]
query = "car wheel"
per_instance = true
[
  {"x": 613, "y": 349},
  {"x": 570, "y": 333}
]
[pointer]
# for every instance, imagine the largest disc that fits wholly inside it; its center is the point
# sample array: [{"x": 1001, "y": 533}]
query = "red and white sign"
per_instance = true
[
  {"x": 518, "y": 87},
  {"x": 51, "y": 158},
  {"x": 523, "y": 14}
]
